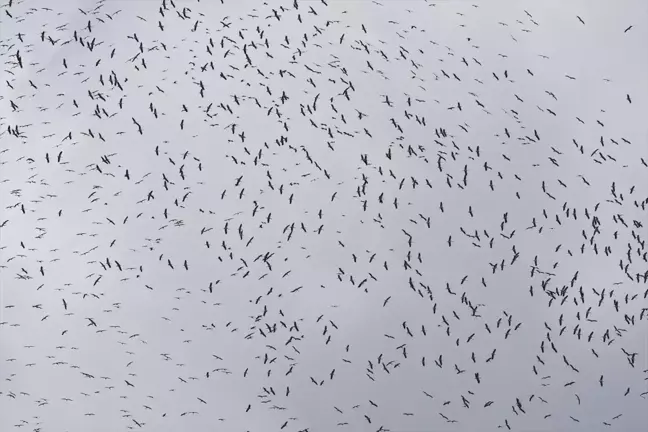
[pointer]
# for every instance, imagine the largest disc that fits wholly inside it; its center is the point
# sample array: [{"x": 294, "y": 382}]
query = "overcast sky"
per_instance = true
[{"x": 395, "y": 215}]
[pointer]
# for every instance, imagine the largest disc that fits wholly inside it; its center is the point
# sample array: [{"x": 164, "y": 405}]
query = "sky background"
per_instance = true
[{"x": 296, "y": 235}]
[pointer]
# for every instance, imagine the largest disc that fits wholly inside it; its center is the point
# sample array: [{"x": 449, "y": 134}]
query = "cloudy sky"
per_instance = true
[{"x": 357, "y": 216}]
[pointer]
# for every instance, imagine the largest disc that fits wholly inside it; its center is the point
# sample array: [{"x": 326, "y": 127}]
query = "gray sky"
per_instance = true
[{"x": 512, "y": 153}]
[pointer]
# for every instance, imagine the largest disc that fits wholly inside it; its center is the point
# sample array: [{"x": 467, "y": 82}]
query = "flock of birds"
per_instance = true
[{"x": 266, "y": 216}]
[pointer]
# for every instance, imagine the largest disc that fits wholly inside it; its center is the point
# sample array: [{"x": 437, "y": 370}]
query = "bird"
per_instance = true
[{"x": 346, "y": 205}]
